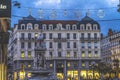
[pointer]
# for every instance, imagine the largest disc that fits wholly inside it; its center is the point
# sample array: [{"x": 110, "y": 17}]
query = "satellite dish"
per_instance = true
[{"x": 100, "y": 13}]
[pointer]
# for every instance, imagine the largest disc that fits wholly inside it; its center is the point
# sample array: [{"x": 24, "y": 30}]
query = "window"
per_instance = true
[
  {"x": 36, "y": 35},
  {"x": 29, "y": 65},
  {"x": 29, "y": 44},
  {"x": 89, "y": 35},
  {"x": 22, "y": 26},
  {"x": 83, "y": 54},
  {"x": 50, "y": 45},
  {"x": 36, "y": 26},
  {"x": 82, "y": 44},
  {"x": 50, "y": 35},
  {"x": 59, "y": 45},
  {"x": 89, "y": 54},
  {"x": 44, "y": 36},
  {"x": 22, "y": 45},
  {"x": 50, "y": 27},
  {"x": 74, "y": 45},
  {"x": 95, "y": 45},
  {"x": 29, "y": 35},
  {"x": 59, "y": 54},
  {"x": 22, "y": 54},
  {"x": 89, "y": 44},
  {"x": 29, "y": 26},
  {"x": 59, "y": 35},
  {"x": 75, "y": 55},
  {"x": 44, "y": 26},
  {"x": 51, "y": 54},
  {"x": 29, "y": 54},
  {"x": 68, "y": 35},
  {"x": 68, "y": 27},
  {"x": 68, "y": 64},
  {"x": 68, "y": 54},
  {"x": 22, "y": 35},
  {"x": 83, "y": 64},
  {"x": 95, "y": 35},
  {"x": 74, "y": 35},
  {"x": 74, "y": 27},
  {"x": 82, "y": 35},
  {"x": 68, "y": 44},
  {"x": 96, "y": 54}
]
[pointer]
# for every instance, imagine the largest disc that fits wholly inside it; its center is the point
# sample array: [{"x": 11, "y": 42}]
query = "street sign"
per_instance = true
[{"x": 5, "y": 8}]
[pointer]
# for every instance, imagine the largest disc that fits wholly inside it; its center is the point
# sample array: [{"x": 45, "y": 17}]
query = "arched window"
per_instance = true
[
  {"x": 74, "y": 27},
  {"x": 50, "y": 27},
  {"x": 36, "y": 26},
  {"x": 95, "y": 27},
  {"x": 59, "y": 26},
  {"x": 68, "y": 26},
  {"x": 29, "y": 26},
  {"x": 82, "y": 27},
  {"x": 88, "y": 26},
  {"x": 44, "y": 26},
  {"x": 22, "y": 26}
]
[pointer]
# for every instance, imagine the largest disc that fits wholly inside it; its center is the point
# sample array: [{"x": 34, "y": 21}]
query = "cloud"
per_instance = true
[{"x": 112, "y": 3}]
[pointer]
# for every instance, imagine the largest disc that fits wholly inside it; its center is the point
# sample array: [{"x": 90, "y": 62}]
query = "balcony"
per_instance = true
[
  {"x": 59, "y": 39},
  {"x": 40, "y": 48},
  {"x": 62, "y": 58},
  {"x": 90, "y": 39},
  {"x": 28, "y": 39},
  {"x": 23, "y": 58},
  {"x": 90, "y": 58}
]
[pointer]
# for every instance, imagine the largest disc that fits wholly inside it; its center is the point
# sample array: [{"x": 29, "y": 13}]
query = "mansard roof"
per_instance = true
[{"x": 29, "y": 18}]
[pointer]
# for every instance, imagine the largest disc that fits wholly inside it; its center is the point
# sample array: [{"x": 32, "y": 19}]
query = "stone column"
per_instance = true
[{"x": 54, "y": 68}]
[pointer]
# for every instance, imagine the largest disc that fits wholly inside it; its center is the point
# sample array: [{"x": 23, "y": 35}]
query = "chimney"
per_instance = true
[{"x": 110, "y": 32}]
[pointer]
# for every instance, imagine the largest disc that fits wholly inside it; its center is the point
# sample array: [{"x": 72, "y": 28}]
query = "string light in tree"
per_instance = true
[
  {"x": 100, "y": 13},
  {"x": 53, "y": 14},
  {"x": 65, "y": 12},
  {"x": 40, "y": 13},
  {"x": 78, "y": 14}
]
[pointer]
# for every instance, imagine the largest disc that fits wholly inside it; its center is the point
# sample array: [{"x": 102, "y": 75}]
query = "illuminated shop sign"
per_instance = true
[{"x": 5, "y": 8}]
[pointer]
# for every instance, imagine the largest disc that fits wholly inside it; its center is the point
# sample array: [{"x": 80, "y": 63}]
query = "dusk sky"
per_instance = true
[{"x": 103, "y": 11}]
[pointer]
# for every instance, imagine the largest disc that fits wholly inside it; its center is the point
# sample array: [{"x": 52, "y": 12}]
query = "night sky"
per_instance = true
[{"x": 103, "y": 11}]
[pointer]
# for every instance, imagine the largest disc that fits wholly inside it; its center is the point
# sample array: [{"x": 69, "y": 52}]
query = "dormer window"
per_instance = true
[
  {"x": 22, "y": 26},
  {"x": 88, "y": 27},
  {"x": 50, "y": 27},
  {"x": 74, "y": 27},
  {"x": 36, "y": 26},
  {"x": 29, "y": 26},
  {"x": 68, "y": 26},
  {"x": 44, "y": 26},
  {"x": 82, "y": 27},
  {"x": 59, "y": 26},
  {"x": 95, "y": 27}
]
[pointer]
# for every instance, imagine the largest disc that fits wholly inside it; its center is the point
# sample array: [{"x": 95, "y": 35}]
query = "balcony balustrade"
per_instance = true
[{"x": 59, "y": 39}]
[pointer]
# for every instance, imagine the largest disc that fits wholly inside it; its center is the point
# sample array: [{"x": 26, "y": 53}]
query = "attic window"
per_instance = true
[
  {"x": 22, "y": 26},
  {"x": 36, "y": 26},
  {"x": 29, "y": 26}
]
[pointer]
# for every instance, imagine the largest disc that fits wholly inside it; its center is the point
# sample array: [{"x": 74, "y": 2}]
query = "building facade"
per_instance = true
[
  {"x": 72, "y": 47},
  {"x": 110, "y": 50}
]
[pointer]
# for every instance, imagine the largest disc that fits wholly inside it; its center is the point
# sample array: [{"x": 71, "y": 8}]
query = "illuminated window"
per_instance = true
[
  {"x": 75, "y": 54},
  {"x": 36, "y": 35},
  {"x": 51, "y": 65},
  {"x": 96, "y": 54},
  {"x": 29, "y": 65},
  {"x": 83, "y": 54},
  {"x": 68, "y": 54},
  {"x": 89, "y": 54},
  {"x": 29, "y": 74},
  {"x": 29, "y": 54},
  {"x": 68, "y": 64},
  {"x": 22, "y": 54},
  {"x": 83, "y": 64}
]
